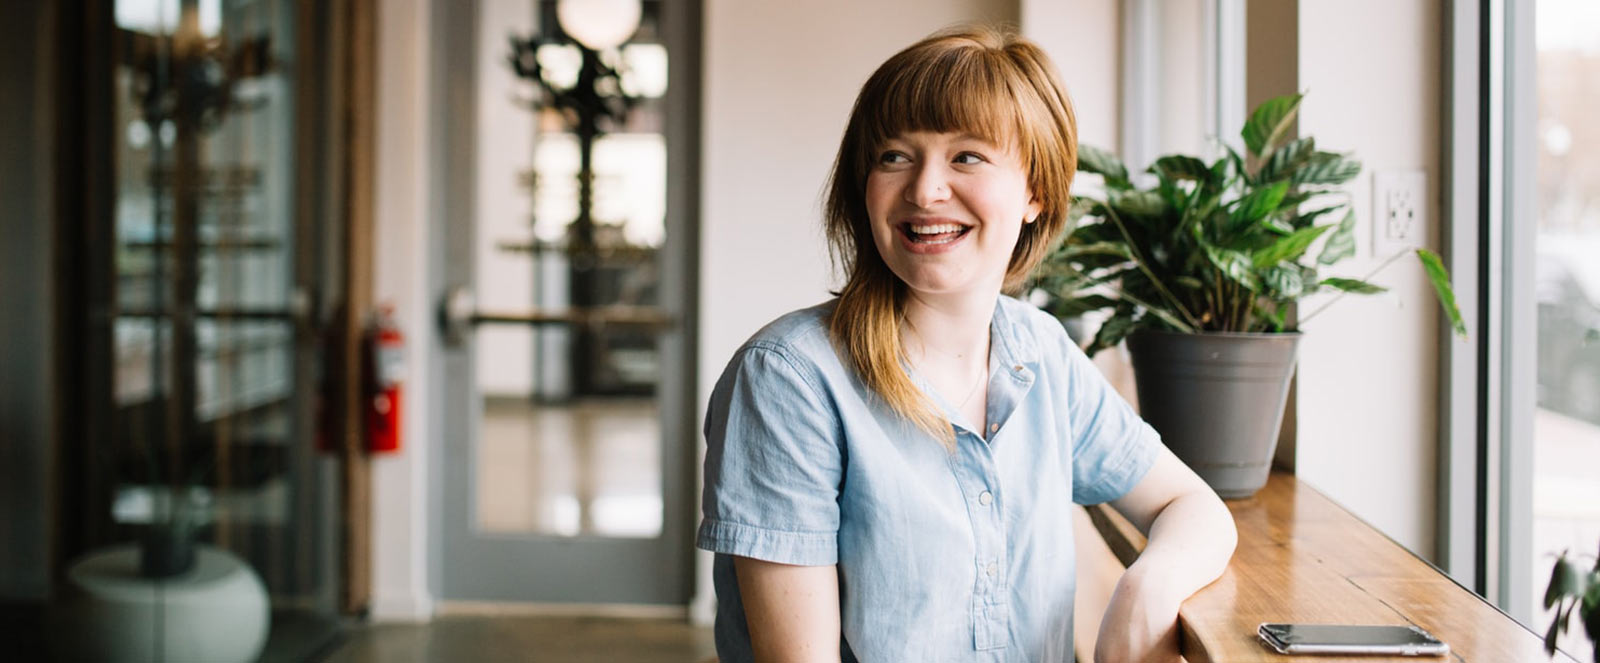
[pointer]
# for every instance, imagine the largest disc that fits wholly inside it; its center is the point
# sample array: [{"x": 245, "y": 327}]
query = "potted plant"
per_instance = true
[
  {"x": 1198, "y": 271},
  {"x": 1573, "y": 590}
]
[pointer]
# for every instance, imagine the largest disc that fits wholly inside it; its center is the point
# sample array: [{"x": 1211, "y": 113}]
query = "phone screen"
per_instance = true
[{"x": 1351, "y": 638}]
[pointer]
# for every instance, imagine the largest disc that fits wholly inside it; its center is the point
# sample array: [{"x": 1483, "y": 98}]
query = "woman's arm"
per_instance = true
[
  {"x": 792, "y": 611},
  {"x": 1191, "y": 538}
]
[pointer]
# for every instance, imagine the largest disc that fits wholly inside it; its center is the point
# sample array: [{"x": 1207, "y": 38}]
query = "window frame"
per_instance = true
[{"x": 1485, "y": 459}]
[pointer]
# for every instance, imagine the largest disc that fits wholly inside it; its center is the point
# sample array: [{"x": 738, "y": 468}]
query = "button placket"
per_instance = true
[{"x": 976, "y": 473}]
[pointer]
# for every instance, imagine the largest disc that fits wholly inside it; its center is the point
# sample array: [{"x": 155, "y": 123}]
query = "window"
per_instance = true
[{"x": 1526, "y": 220}]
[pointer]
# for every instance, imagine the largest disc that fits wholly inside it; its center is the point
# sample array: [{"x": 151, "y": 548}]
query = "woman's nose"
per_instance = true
[{"x": 931, "y": 185}]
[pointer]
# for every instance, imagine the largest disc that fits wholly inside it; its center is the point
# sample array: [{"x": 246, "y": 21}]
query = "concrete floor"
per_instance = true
[{"x": 528, "y": 639}]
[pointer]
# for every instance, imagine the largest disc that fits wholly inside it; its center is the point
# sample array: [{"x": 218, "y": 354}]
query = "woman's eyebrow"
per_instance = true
[{"x": 975, "y": 138}]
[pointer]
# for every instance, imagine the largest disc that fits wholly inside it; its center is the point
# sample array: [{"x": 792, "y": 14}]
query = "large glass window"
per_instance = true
[{"x": 1566, "y": 423}]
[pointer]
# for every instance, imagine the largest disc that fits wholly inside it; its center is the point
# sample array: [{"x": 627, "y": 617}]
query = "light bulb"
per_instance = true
[{"x": 599, "y": 24}]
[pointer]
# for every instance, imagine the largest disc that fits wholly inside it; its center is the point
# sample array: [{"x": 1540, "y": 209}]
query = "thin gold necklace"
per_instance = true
[{"x": 982, "y": 377}]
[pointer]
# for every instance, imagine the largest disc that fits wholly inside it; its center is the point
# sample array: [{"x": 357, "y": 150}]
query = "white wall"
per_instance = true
[
  {"x": 399, "y": 482},
  {"x": 1368, "y": 390},
  {"x": 1084, "y": 38},
  {"x": 779, "y": 81}
]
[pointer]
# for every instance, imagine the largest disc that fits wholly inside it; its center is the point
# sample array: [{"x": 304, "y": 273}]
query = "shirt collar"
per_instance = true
[{"x": 1014, "y": 343}]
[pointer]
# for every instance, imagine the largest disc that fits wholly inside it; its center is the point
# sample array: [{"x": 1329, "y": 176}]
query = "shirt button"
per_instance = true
[
  {"x": 994, "y": 427},
  {"x": 992, "y": 569},
  {"x": 1017, "y": 368},
  {"x": 985, "y": 498}
]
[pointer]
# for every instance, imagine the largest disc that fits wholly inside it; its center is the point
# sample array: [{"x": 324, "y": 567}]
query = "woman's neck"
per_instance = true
[{"x": 949, "y": 328}]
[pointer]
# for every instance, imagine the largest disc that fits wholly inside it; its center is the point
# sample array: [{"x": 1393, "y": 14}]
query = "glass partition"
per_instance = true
[{"x": 214, "y": 539}]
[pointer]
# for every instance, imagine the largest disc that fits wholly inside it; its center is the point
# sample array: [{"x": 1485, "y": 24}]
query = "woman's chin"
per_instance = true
[{"x": 942, "y": 286}]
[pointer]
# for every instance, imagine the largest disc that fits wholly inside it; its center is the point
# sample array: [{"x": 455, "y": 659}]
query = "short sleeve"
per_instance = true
[
  {"x": 774, "y": 463},
  {"x": 1112, "y": 448}
]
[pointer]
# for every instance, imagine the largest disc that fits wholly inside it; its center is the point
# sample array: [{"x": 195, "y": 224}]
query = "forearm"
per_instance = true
[{"x": 1190, "y": 543}]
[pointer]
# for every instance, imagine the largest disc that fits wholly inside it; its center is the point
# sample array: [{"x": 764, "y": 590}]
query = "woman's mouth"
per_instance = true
[{"x": 934, "y": 233}]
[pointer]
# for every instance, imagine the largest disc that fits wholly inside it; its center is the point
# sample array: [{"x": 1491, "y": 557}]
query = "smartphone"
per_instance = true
[{"x": 1351, "y": 639}]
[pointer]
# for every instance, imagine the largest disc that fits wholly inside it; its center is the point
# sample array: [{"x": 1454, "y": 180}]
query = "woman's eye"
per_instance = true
[
  {"x": 892, "y": 157},
  {"x": 969, "y": 158}
]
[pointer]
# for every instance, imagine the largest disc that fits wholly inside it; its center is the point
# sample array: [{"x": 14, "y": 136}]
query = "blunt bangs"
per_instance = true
[{"x": 960, "y": 90}]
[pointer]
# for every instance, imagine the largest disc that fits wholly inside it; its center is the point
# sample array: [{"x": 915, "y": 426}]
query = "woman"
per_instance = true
[{"x": 890, "y": 474}]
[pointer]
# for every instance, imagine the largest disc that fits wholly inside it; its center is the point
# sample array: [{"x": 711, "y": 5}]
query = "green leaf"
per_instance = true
[
  {"x": 1353, "y": 286},
  {"x": 1550, "y": 637},
  {"x": 1233, "y": 265},
  {"x": 1238, "y": 164},
  {"x": 1189, "y": 282},
  {"x": 1302, "y": 220},
  {"x": 1144, "y": 204},
  {"x": 1097, "y": 248},
  {"x": 1326, "y": 168},
  {"x": 1440, "y": 278},
  {"x": 1181, "y": 167},
  {"x": 1256, "y": 205},
  {"x": 1566, "y": 579},
  {"x": 1066, "y": 308},
  {"x": 1095, "y": 160},
  {"x": 1101, "y": 231},
  {"x": 1275, "y": 316},
  {"x": 1113, "y": 330},
  {"x": 1342, "y": 243},
  {"x": 1285, "y": 280},
  {"x": 1287, "y": 159},
  {"x": 1288, "y": 248},
  {"x": 1270, "y": 123},
  {"x": 1219, "y": 171},
  {"x": 1277, "y": 226}
]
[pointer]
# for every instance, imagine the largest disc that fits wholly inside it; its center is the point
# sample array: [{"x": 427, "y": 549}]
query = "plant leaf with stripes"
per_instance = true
[
  {"x": 1342, "y": 243},
  {"x": 1092, "y": 159},
  {"x": 1355, "y": 286},
  {"x": 1270, "y": 123}
]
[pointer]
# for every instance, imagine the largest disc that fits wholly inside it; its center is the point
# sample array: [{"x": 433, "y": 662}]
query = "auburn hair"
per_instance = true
[{"x": 990, "y": 83}]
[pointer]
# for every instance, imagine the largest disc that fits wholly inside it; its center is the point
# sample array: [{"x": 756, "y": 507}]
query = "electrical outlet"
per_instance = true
[{"x": 1399, "y": 211}]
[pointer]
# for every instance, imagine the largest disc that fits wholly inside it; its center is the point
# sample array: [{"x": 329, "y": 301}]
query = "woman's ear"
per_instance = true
[{"x": 1034, "y": 208}]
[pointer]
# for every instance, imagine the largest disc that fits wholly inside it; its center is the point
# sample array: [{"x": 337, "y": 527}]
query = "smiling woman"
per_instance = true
[{"x": 890, "y": 475}]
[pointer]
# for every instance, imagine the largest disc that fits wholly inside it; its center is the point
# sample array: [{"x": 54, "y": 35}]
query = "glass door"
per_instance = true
[
  {"x": 207, "y": 502},
  {"x": 568, "y": 423}
]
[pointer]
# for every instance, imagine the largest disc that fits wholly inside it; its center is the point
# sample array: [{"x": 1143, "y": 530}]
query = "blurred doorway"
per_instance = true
[{"x": 568, "y": 281}]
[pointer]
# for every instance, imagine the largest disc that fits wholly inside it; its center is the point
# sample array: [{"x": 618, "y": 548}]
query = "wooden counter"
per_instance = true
[{"x": 1301, "y": 558}]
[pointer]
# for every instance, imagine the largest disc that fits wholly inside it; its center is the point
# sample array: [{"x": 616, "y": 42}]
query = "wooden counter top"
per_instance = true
[{"x": 1303, "y": 559}]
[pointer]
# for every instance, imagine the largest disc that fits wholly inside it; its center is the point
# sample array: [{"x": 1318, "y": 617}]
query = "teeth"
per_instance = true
[{"x": 936, "y": 229}]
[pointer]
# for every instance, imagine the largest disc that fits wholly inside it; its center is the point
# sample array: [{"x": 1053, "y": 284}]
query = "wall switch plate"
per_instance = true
[{"x": 1399, "y": 211}]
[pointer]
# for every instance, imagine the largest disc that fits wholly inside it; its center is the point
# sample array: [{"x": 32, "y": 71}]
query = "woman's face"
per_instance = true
[{"x": 946, "y": 210}]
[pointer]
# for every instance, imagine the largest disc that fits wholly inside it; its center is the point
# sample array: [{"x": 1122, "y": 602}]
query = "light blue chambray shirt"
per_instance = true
[{"x": 941, "y": 557}]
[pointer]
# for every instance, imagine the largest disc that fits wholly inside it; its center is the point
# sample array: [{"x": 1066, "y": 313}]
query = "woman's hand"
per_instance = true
[
  {"x": 1191, "y": 538},
  {"x": 1141, "y": 622}
]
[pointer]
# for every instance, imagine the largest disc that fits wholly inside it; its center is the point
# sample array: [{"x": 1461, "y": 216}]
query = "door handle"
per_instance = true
[{"x": 458, "y": 315}]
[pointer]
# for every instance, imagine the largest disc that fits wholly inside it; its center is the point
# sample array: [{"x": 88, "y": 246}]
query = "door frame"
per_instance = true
[{"x": 452, "y": 135}]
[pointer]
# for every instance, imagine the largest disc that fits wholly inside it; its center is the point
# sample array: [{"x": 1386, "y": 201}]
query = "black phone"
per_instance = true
[{"x": 1351, "y": 639}]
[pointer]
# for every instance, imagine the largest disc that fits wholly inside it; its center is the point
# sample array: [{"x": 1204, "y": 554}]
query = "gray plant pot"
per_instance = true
[{"x": 1217, "y": 399}]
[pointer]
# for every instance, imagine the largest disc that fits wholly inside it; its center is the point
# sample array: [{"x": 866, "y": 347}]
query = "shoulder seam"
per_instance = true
[{"x": 782, "y": 351}]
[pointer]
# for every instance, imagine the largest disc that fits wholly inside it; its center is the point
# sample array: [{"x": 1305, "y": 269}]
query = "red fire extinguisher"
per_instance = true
[{"x": 386, "y": 348}]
